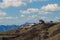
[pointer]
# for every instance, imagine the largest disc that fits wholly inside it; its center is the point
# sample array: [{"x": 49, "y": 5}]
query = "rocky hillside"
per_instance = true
[{"x": 39, "y": 31}]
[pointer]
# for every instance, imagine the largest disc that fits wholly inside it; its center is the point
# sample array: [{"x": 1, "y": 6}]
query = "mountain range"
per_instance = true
[{"x": 39, "y": 31}]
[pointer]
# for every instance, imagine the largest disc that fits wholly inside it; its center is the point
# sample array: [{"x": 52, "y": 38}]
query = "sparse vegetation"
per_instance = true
[
  {"x": 40, "y": 31},
  {"x": 41, "y": 21}
]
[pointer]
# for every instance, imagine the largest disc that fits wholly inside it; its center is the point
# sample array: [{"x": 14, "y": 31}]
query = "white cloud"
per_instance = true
[
  {"x": 50, "y": 8},
  {"x": 2, "y": 13},
  {"x": 43, "y": 12},
  {"x": 33, "y": 10},
  {"x": 38, "y": 0},
  {"x": 33, "y": 16},
  {"x": 13, "y": 3},
  {"x": 22, "y": 15},
  {"x": 9, "y": 17},
  {"x": 16, "y": 3},
  {"x": 3, "y": 16},
  {"x": 31, "y": 0},
  {"x": 30, "y": 18},
  {"x": 30, "y": 10}
]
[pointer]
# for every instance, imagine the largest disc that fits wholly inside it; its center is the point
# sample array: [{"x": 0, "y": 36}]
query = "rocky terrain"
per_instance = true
[{"x": 39, "y": 31}]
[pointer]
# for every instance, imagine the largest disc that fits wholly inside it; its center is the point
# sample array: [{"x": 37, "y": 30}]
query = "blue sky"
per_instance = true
[{"x": 21, "y": 11}]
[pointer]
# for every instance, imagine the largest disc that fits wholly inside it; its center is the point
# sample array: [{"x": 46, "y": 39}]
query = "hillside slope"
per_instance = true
[{"x": 47, "y": 31}]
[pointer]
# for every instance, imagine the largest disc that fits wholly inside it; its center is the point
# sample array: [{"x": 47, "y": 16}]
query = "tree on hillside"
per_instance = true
[
  {"x": 51, "y": 21},
  {"x": 41, "y": 21}
]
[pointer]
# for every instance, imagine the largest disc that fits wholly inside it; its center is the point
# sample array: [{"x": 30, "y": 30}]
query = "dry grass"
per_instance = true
[{"x": 35, "y": 32}]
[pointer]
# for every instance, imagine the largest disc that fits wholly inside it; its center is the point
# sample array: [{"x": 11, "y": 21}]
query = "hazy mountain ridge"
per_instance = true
[
  {"x": 39, "y": 31},
  {"x": 4, "y": 28}
]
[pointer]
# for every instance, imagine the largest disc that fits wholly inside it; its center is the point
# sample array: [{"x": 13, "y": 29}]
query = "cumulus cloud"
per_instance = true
[
  {"x": 13, "y": 3},
  {"x": 30, "y": 10},
  {"x": 43, "y": 10},
  {"x": 51, "y": 7},
  {"x": 16, "y": 3},
  {"x": 33, "y": 10}
]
